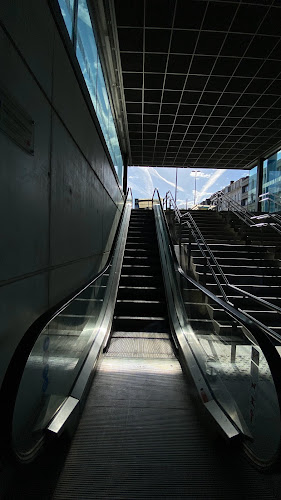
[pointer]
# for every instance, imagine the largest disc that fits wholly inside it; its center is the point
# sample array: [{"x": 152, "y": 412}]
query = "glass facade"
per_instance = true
[
  {"x": 252, "y": 189},
  {"x": 271, "y": 183},
  {"x": 90, "y": 64}
]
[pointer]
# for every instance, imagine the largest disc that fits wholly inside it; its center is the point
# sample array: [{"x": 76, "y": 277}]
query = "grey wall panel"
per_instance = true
[
  {"x": 110, "y": 218},
  {"x": 67, "y": 278},
  {"x": 24, "y": 178},
  {"x": 32, "y": 29},
  {"x": 20, "y": 304},
  {"x": 111, "y": 185},
  {"x": 76, "y": 202}
]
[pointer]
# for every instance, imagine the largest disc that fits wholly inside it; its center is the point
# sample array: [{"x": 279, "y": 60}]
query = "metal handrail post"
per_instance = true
[
  {"x": 189, "y": 249},
  {"x": 180, "y": 243}
]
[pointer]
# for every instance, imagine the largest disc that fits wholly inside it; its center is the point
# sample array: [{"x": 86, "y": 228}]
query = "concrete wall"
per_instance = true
[{"x": 60, "y": 206}]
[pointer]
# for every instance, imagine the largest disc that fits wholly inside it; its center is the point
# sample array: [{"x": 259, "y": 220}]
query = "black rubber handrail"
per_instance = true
[
  {"x": 14, "y": 373},
  {"x": 253, "y": 297}
]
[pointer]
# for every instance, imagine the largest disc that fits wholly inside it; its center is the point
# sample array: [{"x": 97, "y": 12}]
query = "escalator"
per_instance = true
[{"x": 160, "y": 397}]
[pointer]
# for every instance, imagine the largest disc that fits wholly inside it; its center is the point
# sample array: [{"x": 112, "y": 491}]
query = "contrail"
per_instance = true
[
  {"x": 154, "y": 172},
  {"x": 210, "y": 182}
]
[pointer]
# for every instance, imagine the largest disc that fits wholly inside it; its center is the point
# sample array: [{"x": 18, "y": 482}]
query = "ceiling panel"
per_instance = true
[{"x": 202, "y": 80}]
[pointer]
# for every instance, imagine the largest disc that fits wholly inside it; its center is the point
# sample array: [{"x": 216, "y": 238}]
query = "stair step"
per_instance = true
[
  {"x": 141, "y": 323},
  {"x": 138, "y": 280},
  {"x": 242, "y": 279},
  {"x": 259, "y": 290},
  {"x": 245, "y": 262},
  {"x": 140, "y": 307},
  {"x": 245, "y": 270},
  {"x": 140, "y": 292},
  {"x": 267, "y": 317},
  {"x": 141, "y": 245},
  {"x": 141, "y": 252},
  {"x": 142, "y": 270}
]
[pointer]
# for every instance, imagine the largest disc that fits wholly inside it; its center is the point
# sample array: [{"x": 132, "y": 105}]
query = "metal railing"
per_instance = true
[
  {"x": 224, "y": 202},
  {"x": 272, "y": 199},
  {"x": 212, "y": 262}
]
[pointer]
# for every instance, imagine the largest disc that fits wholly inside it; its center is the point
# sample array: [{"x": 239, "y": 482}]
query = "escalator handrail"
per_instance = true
[
  {"x": 261, "y": 335},
  {"x": 259, "y": 300},
  {"x": 256, "y": 328},
  {"x": 14, "y": 372}
]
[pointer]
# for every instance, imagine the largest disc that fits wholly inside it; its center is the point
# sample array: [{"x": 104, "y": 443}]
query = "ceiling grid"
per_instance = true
[{"x": 202, "y": 80}]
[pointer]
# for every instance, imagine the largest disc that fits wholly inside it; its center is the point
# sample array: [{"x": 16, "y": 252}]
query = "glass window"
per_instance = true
[
  {"x": 89, "y": 61},
  {"x": 66, "y": 7},
  {"x": 86, "y": 49}
]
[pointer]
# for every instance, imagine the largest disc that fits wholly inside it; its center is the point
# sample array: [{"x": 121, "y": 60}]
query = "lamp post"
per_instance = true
[{"x": 195, "y": 172}]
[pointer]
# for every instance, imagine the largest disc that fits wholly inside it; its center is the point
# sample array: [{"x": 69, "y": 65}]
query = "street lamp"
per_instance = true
[{"x": 195, "y": 172}]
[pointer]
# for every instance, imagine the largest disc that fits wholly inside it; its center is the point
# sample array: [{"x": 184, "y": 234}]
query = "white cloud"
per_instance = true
[
  {"x": 83, "y": 15},
  {"x": 156, "y": 174},
  {"x": 184, "y": 203},
  {"x": 138, "y": 190},
  {"x": 204, "y": 191},
  {"x": 148, "y": 183},
  {"x": 197, "y": 174}
]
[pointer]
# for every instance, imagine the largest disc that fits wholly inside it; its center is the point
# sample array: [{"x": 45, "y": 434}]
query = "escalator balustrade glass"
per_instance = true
[
  {"x": 54, "y": 364},
  {"x": 64, "y": 355},
  {"x": 239, "y": 376}
]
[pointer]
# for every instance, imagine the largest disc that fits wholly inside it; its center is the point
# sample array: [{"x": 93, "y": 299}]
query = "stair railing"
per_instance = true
[
  {"x": 225, "y": 202},
  {"x": 212, "y": 261},
  {"x": 227, "y": 306},
  {"x": 193, "y": 230}
]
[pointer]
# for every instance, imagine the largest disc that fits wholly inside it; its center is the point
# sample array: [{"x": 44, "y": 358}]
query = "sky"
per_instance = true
[{"x": 143, "y": 180}]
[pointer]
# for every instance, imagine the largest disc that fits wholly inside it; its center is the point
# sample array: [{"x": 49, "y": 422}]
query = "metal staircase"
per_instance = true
[{"x": 252, "y": 268}]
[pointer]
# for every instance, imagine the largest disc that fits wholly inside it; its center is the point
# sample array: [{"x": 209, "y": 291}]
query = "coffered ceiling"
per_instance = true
[{"x": 201, "y": 79}]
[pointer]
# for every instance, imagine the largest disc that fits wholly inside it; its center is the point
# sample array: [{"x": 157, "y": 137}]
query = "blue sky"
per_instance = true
[{"x": 143, "y": 180}]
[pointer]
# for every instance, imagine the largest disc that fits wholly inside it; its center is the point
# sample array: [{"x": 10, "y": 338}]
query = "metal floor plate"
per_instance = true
[
  {"x": 141, "y": 436},
  {"x": 140, "y": 347}
]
